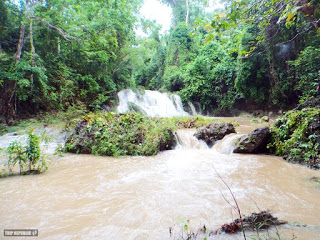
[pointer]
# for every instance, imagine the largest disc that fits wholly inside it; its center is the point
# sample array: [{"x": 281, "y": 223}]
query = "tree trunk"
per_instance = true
[
  {"x": 58, "y": 46},
  {"x": 187, "y": 16},
  {"x": 32, "y": 52},
  {"x": 20, "y": 44},
  {"x": 8, "y": 108}
]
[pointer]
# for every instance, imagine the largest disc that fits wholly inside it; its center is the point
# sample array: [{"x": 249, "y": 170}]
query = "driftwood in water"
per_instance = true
[{"x": 255, "y": 221}]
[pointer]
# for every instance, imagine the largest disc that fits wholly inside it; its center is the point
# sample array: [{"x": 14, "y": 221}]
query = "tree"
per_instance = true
[
  {"x": 269, "y": 35},
  {"x": 66, "y": 51}
]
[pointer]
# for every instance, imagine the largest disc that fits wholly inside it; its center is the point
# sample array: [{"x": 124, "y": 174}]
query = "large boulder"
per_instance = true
[
  {"x": 214, "y": 132},
  {"x": 254, "y": 142}
]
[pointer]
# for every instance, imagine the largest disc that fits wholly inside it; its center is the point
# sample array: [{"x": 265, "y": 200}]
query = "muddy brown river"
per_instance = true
[{"x": 92, "y": 197}]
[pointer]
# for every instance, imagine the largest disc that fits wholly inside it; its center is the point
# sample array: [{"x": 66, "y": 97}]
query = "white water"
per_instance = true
[
  {"x": 227, "y": 144},
  {"x": 153, "y": 103},
  {"x": 187, "y": 140},
  {"x": 193, "y": 109}
]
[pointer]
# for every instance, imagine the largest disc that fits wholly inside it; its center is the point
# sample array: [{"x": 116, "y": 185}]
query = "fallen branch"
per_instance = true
[{"x": 256, "y": 221}]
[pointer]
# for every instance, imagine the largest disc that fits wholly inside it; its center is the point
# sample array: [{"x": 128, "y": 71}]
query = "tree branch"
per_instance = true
[
  {"x": 312, "y": 26},
  {"x": 62, "y": 33}
]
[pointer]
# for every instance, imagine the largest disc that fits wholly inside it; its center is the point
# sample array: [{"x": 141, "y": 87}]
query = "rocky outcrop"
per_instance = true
[
  {"x": 310, "y": 103},
  {"x": 254, "y": 142},
  {"x": 214, "y": 132},
  {"x": 81, "y": 139}
]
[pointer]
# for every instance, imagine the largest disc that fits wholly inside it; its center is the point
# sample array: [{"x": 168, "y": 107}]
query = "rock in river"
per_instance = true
[
  {"x": 254, "y": 142},
  {"x": 214, "y": 132}
]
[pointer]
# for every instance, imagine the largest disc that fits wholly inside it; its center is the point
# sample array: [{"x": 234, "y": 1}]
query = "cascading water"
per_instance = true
[
  {"x": 192, "y": 108},
  {"x": 151, "y": 103},
  {"x": 227, "y": 144},
  {"x": 187, "y": 140}
]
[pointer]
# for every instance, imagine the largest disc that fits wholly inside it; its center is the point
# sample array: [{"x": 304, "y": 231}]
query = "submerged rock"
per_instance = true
[
  {"x": 254, "y": 142},
  {"x": 214, "y": 132}
]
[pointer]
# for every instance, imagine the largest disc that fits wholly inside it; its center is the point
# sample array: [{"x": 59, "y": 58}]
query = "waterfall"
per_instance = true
[
  {"x": 192, "y": 108},
  {"x": 227, "y": 144},
  {"x": 187, "y": 140},
  {"x": 151, "y": 103}
]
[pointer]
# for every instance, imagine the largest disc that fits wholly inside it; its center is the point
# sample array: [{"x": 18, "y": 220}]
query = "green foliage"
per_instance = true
[
  {"x": 251, "y": 80},
  {"x": 210, "y": 79},
  {"x": 29, "y": 158},
  {"x": 307, "y": 67},
  {"x": 17, "y": 154},
  {"x": 3, "y": 16},
  {"x": 263, "y": 54},
  {"x": 130, "y": 134},
  {"x": 121, "y": 134},
  {"x": 174, "y": 78},
  {"x": 81, "y": 53},
  {"x": 297, "y": 136},
  {"x": 179, "y": 9},
  {"x": 266, "y": 36},
  {"x": 179, "y": 50}
]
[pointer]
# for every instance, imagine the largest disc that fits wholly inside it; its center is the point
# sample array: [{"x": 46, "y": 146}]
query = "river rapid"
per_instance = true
[{"x": 93, "y": 197}]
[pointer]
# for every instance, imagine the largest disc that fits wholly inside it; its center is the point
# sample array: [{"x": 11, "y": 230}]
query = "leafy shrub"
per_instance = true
[
  {"x": 29, "y": 157},
  {"x": 121, "y": 134},
  {"x": 209, "y": 80},
  {"x": 296, "y": 136}
]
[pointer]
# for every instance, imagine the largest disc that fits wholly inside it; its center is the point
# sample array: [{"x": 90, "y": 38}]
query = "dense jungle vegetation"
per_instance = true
[{"x": 251, "y": 55}]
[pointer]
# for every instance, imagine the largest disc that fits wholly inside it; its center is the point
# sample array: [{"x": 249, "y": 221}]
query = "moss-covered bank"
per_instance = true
[{"x": 112, "y": 134}]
